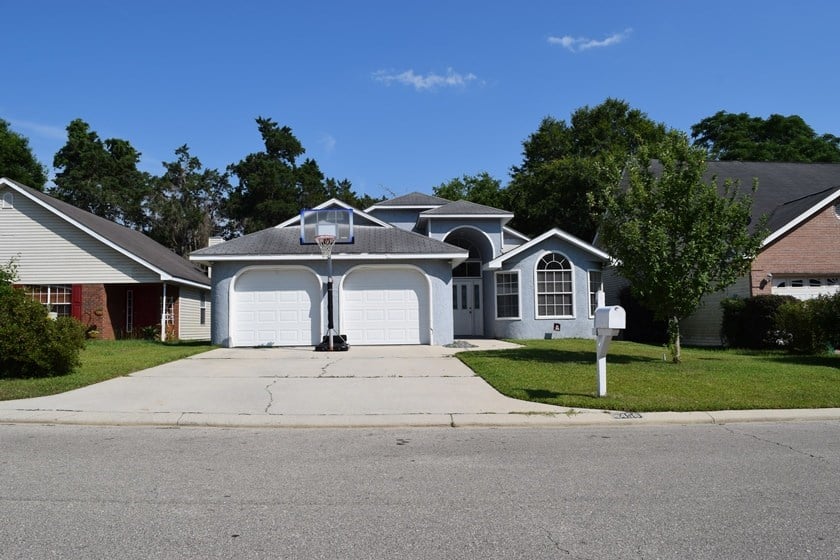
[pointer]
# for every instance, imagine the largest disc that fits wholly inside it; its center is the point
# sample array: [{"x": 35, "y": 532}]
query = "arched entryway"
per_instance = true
[{"x": 467, "y": 281}]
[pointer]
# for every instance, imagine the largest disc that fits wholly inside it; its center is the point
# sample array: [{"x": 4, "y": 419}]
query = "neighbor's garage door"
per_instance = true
[
  {"x": 385, "y": 306},
  {"x": 275, "y": 307}
]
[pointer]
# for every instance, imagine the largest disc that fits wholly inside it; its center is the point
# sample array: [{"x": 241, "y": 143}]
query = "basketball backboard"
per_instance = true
[{"x": 331, "y": 221}]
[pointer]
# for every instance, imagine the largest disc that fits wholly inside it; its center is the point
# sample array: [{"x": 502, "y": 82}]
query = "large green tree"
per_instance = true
[
  {"x": 17, "y": 161},
  {"x": 185, "y": 207},
  {"x": 481, "y": 189},
  {"x": 567, "y": 167},
  {"x": 272, "y": 186},
  {"x": 676, "y": 237},
  {"x": 740, "y": 137},
  {"x": 102, "y": 177}
]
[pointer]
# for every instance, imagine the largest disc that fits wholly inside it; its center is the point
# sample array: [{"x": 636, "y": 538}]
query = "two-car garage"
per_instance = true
[{"x": 283, "y": 306}]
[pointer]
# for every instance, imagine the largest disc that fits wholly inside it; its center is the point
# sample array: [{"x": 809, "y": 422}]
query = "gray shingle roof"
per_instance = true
[
  {"x": 785, "y": 190},
  {"x": 131, "y": 241},
  {"x": 413, "y": 199},
  {"x": 372, "y": 240},
  {"x": 465, "y": 208}
]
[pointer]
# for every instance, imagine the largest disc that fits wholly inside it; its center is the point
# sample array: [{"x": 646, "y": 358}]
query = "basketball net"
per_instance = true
[{"x": 325, "y": 243}]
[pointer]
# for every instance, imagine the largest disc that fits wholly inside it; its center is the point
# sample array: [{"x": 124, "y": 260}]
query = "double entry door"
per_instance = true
[{"x": 467, "y": 303}]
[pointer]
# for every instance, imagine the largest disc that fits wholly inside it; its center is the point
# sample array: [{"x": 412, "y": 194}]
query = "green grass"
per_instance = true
[
  {"x": 562, "y": 372},
  {"x": 101, "y": 360}
]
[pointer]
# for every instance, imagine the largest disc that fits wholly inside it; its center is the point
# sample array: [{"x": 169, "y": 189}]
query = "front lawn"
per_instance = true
[
  {"x": 562, "y": 372},
  {"x": 101, "y": 360}
]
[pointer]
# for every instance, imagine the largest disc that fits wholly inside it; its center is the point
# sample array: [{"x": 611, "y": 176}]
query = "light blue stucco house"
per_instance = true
[{"x": 422, "y": 270}]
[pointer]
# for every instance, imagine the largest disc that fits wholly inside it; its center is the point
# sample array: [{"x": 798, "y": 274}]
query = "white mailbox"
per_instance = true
[{"x": 612, "y": 317}]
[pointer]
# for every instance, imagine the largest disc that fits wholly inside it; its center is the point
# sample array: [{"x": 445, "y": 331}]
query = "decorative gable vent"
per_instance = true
[{"x": 8, "y": 200}]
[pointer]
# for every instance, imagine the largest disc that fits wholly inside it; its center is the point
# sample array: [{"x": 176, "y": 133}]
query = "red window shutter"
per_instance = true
[{"x": 76, "y": 301}]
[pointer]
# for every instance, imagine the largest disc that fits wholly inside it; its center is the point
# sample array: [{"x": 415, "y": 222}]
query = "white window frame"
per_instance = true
[
  {"x": 593, "y": 296},
  {"x": 129, "y": 310},
  {"x": 48, "y": 296},
  {"x": 518, "y": 294},
  {"x": 202, "y": 308},
  {"x": 8, "y": 200},
  {"x": 537, "y": 286}
]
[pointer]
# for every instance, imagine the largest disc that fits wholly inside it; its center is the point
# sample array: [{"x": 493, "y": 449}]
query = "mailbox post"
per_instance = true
[{"x": 608, "y": 323}]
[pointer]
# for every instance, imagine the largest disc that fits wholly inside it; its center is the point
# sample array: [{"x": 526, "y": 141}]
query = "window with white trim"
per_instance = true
[
  {"x": 555, "y": 295},
  {"x": 129, "y": 310},
  {"x": 596, "y": 285},
  {"x": 202, "y": 309},
  {"x": 8, "y": 200},
  {"x": 507, "y": 295},
  {"x": 56, "y": 298}
]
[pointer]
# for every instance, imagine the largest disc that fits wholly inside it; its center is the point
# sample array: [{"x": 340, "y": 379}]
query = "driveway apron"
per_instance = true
[{"x": 371, "y": 385}]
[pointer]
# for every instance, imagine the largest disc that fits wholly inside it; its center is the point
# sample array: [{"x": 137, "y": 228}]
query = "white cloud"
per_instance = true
[
  {"x": 578, "y": 44},
  {"x": 328, "y": 142},
  {"x": 428, "y": 82},
  {"x": 42, "y": 130}
]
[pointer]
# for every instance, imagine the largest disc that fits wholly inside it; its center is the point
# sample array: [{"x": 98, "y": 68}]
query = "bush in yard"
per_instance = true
[
  {"x": 31, "y": 344},
  {"x": 811, "y": 326},
  {"x": 796, "y": 321},
  {"x": 751, "y": 322}
]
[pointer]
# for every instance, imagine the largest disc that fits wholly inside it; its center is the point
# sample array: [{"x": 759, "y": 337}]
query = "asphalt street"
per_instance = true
[{"x": 758, "y": 490}]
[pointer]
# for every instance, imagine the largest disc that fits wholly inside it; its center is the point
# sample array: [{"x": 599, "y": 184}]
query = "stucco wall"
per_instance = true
[
  {"x": 404, "y": 219},
  {"x": 528, "y": 326},
  {"x": 439, "y": 274},
  {"x": 489, "y": 228}
]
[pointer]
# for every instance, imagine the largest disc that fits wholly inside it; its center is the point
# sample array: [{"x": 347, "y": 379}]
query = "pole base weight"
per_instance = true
[{"x": 339, "y": 343}]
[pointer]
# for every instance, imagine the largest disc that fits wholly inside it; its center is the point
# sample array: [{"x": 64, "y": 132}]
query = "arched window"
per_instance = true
[
  {"x": 555, "y": 295},
  {"x": 8, "y": 200}
]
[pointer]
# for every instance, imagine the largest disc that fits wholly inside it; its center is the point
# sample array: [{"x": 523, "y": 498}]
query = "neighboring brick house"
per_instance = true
[
  {"x": 800, "y": 255},
  {"x": 113, "y": 279}
]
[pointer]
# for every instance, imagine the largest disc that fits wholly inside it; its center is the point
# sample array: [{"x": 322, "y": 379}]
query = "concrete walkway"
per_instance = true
[{"x": 297, "y": 387}]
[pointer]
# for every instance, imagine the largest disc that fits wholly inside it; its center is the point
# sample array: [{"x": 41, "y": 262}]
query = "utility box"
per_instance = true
[{"x": 612, "y": 317}]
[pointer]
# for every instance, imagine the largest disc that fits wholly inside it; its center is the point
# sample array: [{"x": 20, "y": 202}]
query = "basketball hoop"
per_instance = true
[{"x": 325, "y": 243}]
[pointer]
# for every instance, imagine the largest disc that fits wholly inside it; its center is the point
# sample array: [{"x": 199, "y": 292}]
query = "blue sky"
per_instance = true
[{"x": 401, "y": 96}]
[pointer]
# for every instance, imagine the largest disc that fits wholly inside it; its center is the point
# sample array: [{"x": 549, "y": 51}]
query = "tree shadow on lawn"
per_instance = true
[
  {"x": 827, "y": 360},
  {"x": 546, "y": 395},
  {"x": 547, "y": 355}
]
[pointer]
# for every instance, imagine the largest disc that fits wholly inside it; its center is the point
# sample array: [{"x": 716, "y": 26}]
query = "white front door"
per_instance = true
[{"x": 467, "y": 306}]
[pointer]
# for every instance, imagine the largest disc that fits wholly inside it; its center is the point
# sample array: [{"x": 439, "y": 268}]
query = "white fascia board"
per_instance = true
[
  {"x": 176, "y": 280},
  {"x": 403, "y": 207},
  {"x": 506, "y": 217},
  {"x": 163, "y": 275},
  {"x": 338, "y": 257},
  {"x": 803, "y": 217},
  {"x": 497, "y": 263},
  {"x": 515, "y": 233}
]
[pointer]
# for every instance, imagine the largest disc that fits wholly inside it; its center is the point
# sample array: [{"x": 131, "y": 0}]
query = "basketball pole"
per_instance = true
[{"x": 330, "y": 325}]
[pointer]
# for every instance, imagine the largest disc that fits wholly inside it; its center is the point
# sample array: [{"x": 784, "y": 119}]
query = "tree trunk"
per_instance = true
[{"x": 674, "y": 339}]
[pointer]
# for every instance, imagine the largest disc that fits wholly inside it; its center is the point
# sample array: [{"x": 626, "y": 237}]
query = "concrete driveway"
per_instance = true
[{"x": 374, "y": 385}]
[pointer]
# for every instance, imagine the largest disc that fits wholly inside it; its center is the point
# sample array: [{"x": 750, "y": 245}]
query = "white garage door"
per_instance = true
[
  {"x": 385, "y": 306},
  {"x": 276, "y": 307}
]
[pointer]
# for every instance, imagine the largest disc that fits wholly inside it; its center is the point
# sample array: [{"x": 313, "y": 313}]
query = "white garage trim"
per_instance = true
[
  {"x": 314, "y": 289},
  {"x": 424, "y": 307}
]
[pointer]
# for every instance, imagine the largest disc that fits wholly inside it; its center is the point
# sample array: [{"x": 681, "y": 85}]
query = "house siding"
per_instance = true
[
  {"x": 703, "y": 327},
  {"x": 38, "y": 239},
  {"x": 189, "y": 315},
  {"x": 812, "y": 249}
]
